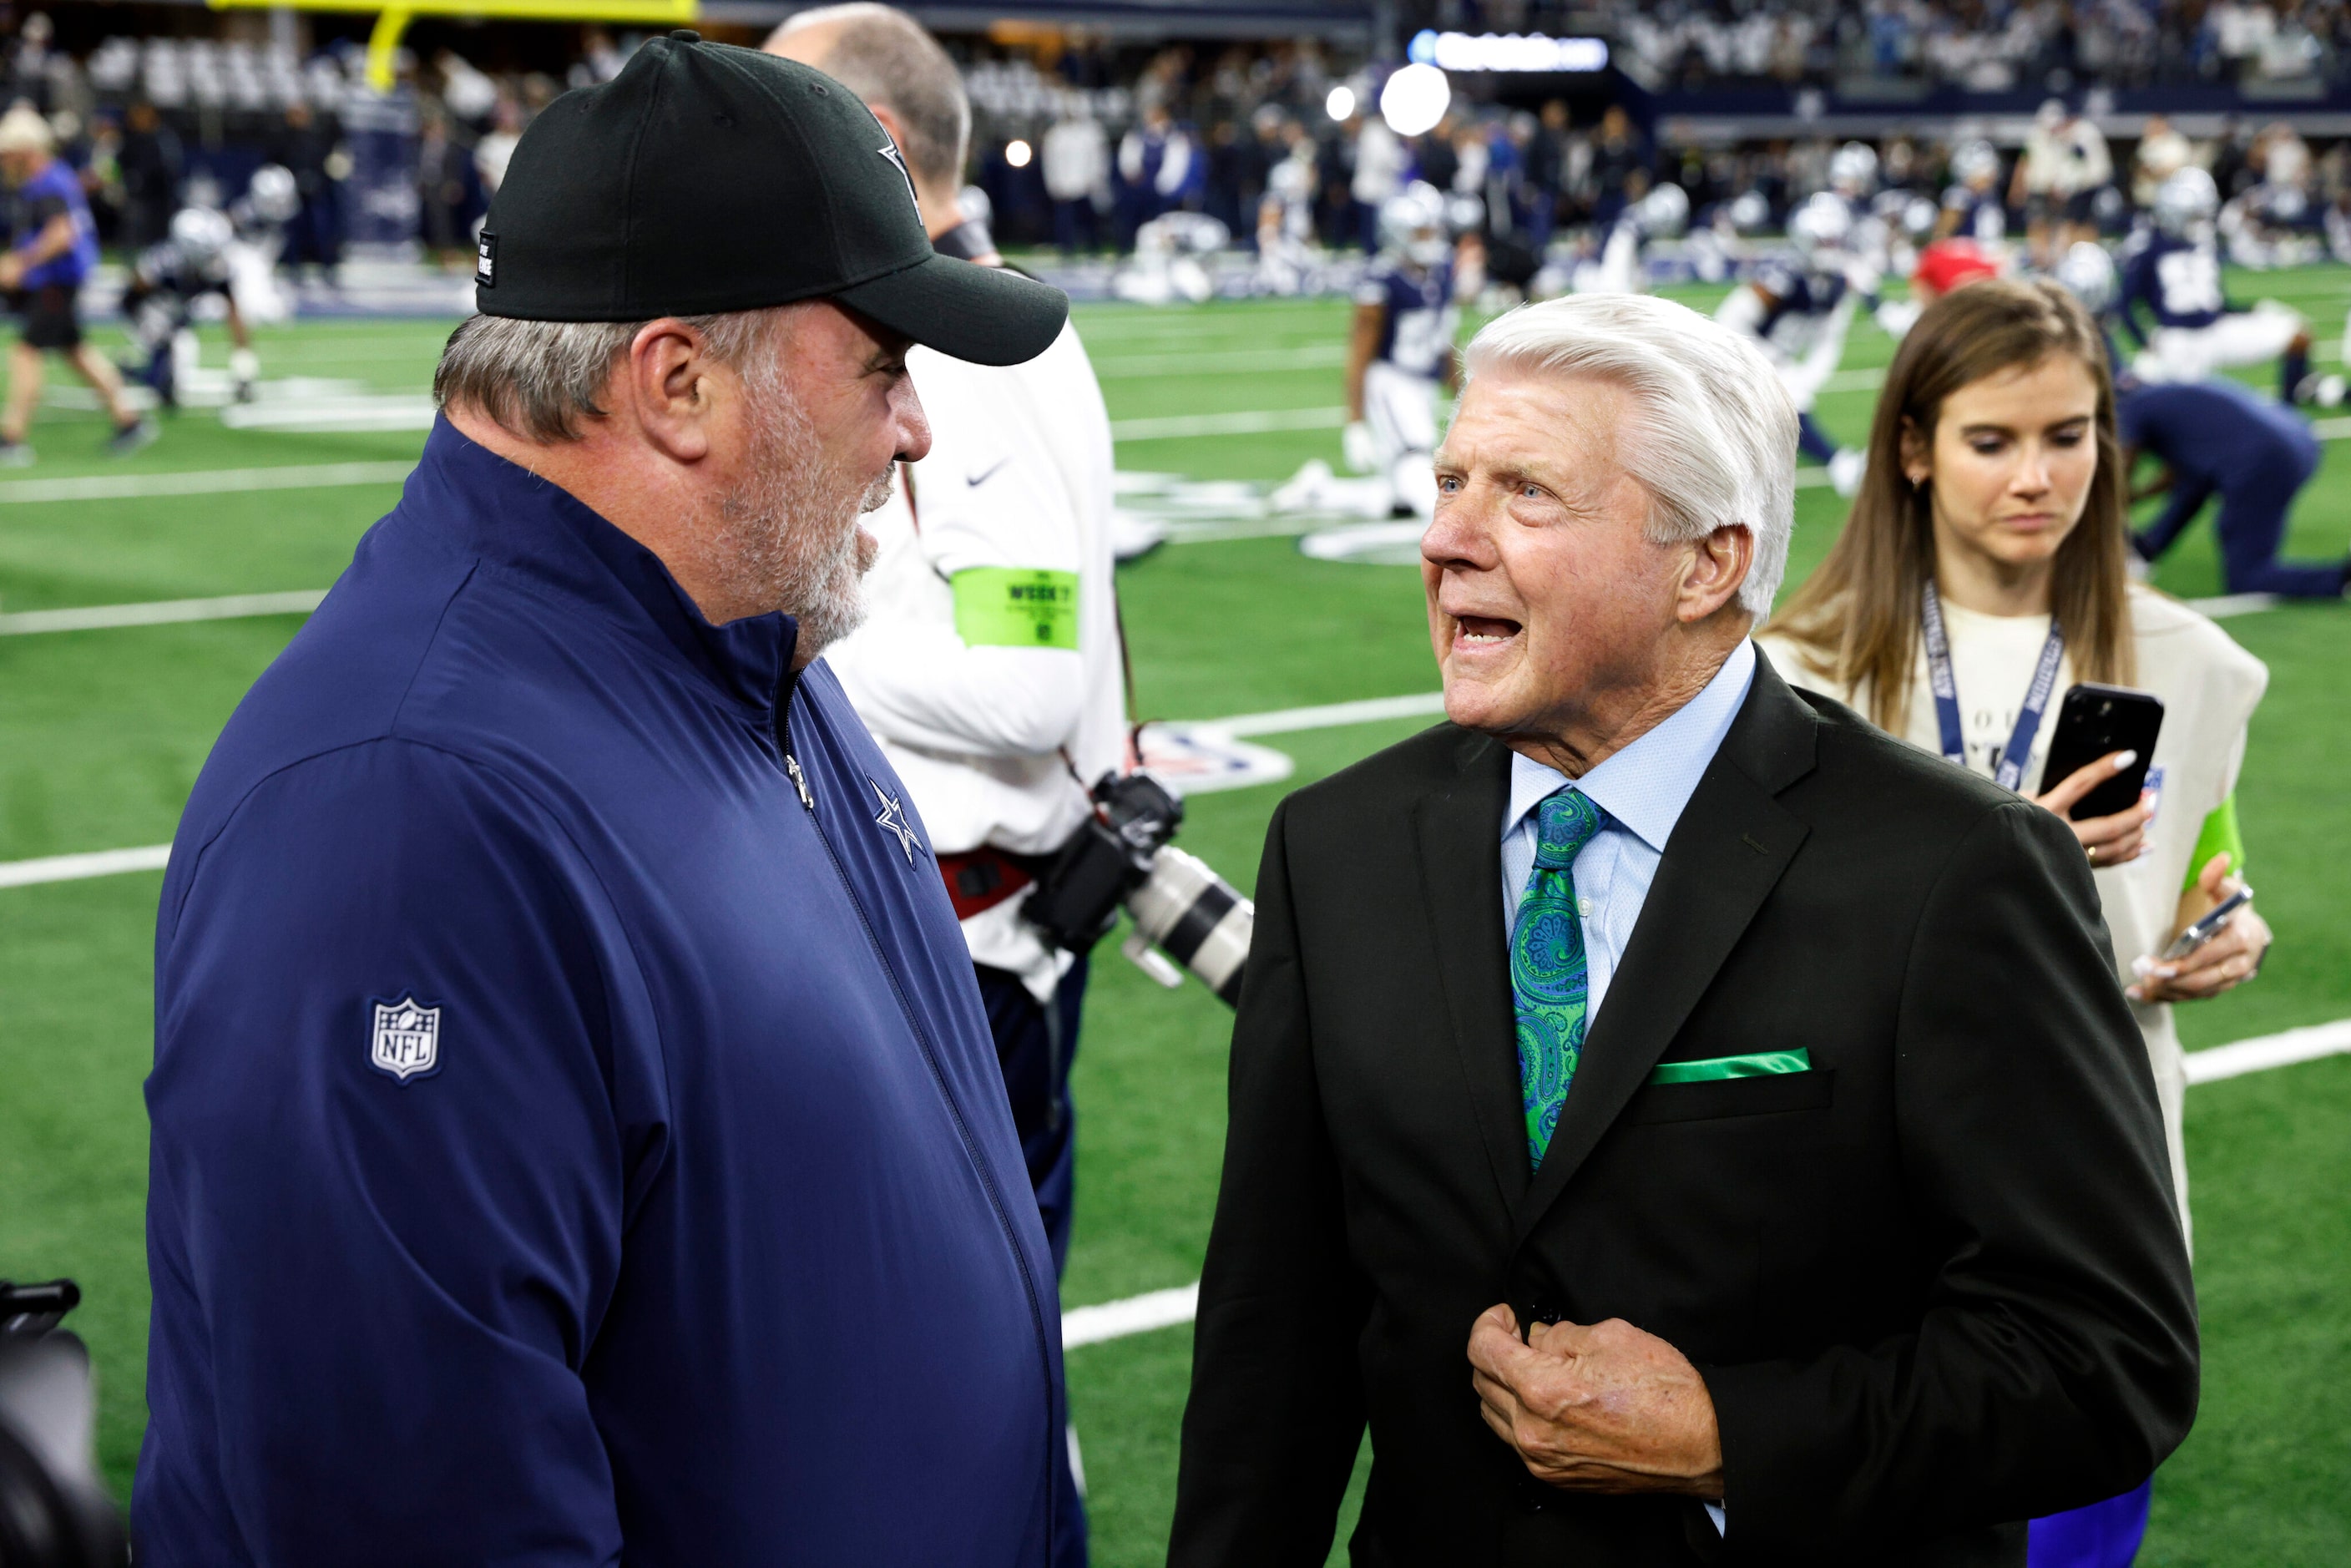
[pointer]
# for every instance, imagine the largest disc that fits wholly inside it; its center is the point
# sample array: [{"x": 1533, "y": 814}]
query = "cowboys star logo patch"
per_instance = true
[
  {"x": 893, "y": 821},
  {"x": 407, "y": 1040},
  {"x": 898, "y": 161}
]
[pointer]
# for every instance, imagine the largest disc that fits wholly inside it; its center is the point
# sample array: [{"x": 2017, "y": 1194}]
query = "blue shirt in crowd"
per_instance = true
[
  {"x": 55, "y": 190},
  {"x": 569, "y": 1146}
]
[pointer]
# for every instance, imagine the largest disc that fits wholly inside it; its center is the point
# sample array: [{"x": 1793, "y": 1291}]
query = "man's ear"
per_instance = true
[
  {"x": 1718, "y": 564},
  {"x": 669, "y": 385}
]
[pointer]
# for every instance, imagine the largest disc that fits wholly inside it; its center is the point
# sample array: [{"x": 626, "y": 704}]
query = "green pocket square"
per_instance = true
[{"x": 1762, "y": 1064}]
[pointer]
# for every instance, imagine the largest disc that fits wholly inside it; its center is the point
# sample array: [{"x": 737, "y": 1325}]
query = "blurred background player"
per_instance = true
[
  {"x": 2213, "y": 438},
  {"x": 1973, "y": 208},
  {"x": 1662, "y": 214},
  {"x": 158, "y": 305},
  {"x": 1801, "y": 314},
  {"x": 989, "y": 668},
  {"x": 2171, "y": 273},
  {"x": 1286, "y": 260},
  {"x": 2220, "y": 438},
  {"x": 1399, "y": 353},
  {"x": 53, "y": 249}
]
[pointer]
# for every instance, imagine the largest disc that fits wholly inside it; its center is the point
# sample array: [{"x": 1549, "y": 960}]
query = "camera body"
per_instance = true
[
  {"x": 1121, "y": 858},
  {"x": 54, "y": 1510}
]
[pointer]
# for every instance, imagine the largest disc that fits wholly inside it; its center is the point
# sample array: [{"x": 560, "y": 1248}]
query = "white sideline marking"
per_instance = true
[
  {"x": 1167, "y": 1309},
  {"x": 95, "y": 617},
  {"x": 1136, "y": 1314},
  {"x": 2227, "y": 604},
  {"x": 76, "y": 868},
  {"x": 1328, "y": 716},
  {"x": 1253, "y": 421},
  {"x": 1127, "y": 366},
  {"x": 202, "y": 481},
  {"x": 2261, "y": 1054}
]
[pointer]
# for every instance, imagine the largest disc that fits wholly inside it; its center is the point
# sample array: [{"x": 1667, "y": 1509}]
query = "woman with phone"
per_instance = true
[
  {"x": 1980, "y": 575},
  {"x": 1993, "y": 506}
]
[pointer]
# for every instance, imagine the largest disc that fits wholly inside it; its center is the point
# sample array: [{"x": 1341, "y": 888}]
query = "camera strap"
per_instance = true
[{"x": 2011, "y": 772}]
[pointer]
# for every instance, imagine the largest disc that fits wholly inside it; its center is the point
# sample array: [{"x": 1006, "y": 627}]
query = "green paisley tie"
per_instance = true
[{"x": 1549, "y": 974}]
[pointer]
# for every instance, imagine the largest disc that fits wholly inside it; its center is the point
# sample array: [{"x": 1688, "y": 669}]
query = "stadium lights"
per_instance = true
[
  {"x": 1015, "y": 152},
  {"x": 1341, "y": 104},
  {"x": 1414, "y": 99},
  {"x": 1506, "y": 52}
]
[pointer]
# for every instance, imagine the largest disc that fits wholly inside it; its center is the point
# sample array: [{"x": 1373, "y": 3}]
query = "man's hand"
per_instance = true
[
  {"x": 12, "y": 270},
  {"x": 1603, "y": 1408}
]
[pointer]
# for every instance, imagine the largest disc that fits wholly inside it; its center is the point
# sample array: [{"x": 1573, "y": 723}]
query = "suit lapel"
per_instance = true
[
  {"x": 1726, "y": 854},
  {"x": 1458, "y": 829}
]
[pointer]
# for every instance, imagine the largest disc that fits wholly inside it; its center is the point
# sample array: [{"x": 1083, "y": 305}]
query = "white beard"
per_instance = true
[{"x": 791, "y": 534}]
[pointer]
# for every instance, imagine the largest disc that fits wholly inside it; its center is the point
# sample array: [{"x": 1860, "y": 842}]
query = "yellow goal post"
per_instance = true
[{"x": 392, "y": 19}]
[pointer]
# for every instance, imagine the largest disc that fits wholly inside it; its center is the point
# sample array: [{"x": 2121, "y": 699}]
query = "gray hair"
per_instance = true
[
  {"x": 885, "y": 57},
  {"x": 1716, "y": 444},
  {"x": 540, "y": 379}
]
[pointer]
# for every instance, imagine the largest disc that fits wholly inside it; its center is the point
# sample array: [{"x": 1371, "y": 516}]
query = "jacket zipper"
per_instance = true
[{"x": 784, "y": 696}]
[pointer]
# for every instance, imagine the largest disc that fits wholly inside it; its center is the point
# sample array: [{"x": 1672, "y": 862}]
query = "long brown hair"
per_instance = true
[{"x": 1856, "y": 619}]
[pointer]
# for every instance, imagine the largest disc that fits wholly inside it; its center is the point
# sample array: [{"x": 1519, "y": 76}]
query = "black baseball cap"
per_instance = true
[{"x": 706, "y": 178}]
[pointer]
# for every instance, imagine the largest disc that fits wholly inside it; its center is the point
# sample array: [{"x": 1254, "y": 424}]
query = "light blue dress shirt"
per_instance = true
[{"x": 1643, "y": 789}]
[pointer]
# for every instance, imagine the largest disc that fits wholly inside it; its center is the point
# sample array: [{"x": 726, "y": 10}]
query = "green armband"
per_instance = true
[
  {"x": 1016, "y": 607},
  {"x": 2218, "y": 835}
]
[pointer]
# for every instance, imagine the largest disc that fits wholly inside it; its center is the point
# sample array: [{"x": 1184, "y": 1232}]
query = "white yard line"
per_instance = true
[
  {"x": 2261, "y": 1054},
  {"x": 202, "y": 481},
  {"x": 1136, "y": 1314},
  {"x": 79, "y": 868},
  {"x": 1123, "y": 367},
  {"x": 1328, "y": 716},
  {"x": 160, "y": 613},
  {"x": 1253, "y": 421}
]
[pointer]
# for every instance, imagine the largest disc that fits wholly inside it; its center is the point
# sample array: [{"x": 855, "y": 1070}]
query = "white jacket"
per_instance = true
[{"x": 992, "y": 696}]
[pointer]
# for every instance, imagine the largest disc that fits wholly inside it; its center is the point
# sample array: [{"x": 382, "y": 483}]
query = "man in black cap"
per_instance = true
[{"x": 577, "y": 1134}]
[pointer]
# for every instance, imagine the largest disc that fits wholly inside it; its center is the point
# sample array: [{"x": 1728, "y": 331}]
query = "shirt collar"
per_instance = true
[
  {"x": 474, "y": 501},
  {"x": 1645, "y": 786}
]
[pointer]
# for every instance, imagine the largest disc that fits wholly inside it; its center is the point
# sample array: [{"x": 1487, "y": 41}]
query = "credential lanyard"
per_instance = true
[{"x": 2011, "y": 773}]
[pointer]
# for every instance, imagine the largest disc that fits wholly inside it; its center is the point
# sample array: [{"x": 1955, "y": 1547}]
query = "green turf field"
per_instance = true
[{"x": 102, "y": 732}]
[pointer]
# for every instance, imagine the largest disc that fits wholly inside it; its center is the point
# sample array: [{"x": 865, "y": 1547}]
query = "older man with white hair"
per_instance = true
[{"x": 1682, "y": 1124}]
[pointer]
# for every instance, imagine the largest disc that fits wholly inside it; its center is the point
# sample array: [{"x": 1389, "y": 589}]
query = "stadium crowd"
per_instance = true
[{"x": 1080, "y": 142}]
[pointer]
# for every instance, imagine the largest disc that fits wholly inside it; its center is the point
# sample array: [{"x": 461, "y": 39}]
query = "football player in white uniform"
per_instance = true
[
  {"x": 1400, "y": 352},
  {"x": 1801, "y": 314},
  {"x": 1663, "y": 214},
  {"x": 1286, "y": 257},
  {"x": 2171, "y": 277},
  {"x": 159, "y": 303}
]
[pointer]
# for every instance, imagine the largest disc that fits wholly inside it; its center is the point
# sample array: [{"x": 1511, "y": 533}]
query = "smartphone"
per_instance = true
[
  {"x": 2097, "y": 721},
  {"x": 2207, "y": 927}
]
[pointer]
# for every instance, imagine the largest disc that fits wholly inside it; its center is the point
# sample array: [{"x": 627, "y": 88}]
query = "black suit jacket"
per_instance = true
[{"x": 1935, "y": 1284}]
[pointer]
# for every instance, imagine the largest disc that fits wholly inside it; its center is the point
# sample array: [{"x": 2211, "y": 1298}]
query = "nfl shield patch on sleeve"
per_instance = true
[{"x": 406, "y": 1041}]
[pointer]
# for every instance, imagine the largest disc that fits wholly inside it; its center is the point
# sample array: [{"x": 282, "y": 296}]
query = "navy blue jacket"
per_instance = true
[{"x": 568, "y": 1144}]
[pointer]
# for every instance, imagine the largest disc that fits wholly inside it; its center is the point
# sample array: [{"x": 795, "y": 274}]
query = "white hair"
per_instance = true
[{"x": 1716, "y": 442}]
